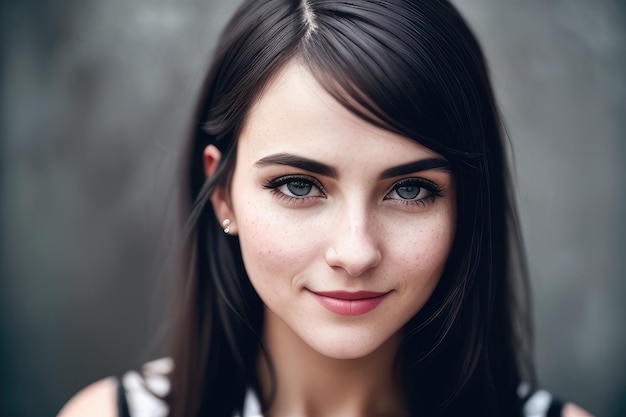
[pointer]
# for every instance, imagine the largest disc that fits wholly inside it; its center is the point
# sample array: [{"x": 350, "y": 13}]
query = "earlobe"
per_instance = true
[{"x": 220, "y": 197}]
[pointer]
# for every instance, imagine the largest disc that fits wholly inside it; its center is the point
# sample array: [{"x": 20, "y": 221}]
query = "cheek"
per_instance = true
[
  {"x": 273, "y": 243},
  {"x": 424, "y": 252},
  {"x": 434, "y": 245},
  {"x": 263, "y": 242}
]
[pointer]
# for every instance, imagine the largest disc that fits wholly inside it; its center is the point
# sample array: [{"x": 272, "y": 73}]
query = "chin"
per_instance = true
[
  {"x": 345, "y": 347},
  {"x": 345, "y": 352}
]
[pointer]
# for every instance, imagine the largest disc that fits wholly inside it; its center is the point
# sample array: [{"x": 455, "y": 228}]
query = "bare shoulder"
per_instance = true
[
  {"x": 572, "y": 410},
  {"x": 96, "y": 400}
]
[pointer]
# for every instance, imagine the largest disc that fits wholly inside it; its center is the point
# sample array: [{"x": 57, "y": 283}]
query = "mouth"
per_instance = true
[{"x": 348, "y": 303}]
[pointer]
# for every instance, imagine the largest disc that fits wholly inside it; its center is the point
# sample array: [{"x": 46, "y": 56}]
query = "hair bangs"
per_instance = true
[{"x": 380, "y": 65}]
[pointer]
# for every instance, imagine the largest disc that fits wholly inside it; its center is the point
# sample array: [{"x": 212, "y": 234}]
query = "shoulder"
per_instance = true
[
  {"x": 136, "y": 393},
  {"x": 96, "y": 400},
  {"x": 572, "y": 410},
  {"x": 542, "y": 404}
]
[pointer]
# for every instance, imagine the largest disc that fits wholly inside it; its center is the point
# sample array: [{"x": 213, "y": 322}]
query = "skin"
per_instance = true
[
  {"x": 354, "y": 230},
  {"x": 97, "y": 399}
]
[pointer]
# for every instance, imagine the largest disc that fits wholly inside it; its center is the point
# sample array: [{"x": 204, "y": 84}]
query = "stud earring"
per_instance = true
[{"x": 226, "y": 226}]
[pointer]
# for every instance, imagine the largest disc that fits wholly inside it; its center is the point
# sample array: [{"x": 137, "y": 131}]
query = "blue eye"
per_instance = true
[
  {"x": 408, "y": 192},
  {"x": 414, "y": 191},
  {"x": 296, "y": 187}
]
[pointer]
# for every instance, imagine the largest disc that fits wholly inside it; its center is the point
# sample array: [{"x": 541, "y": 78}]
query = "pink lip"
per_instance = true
[{"x": 349, "y": 303}]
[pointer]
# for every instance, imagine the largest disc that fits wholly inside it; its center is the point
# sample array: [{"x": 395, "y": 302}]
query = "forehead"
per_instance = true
[{"x": 294, "y": 113}]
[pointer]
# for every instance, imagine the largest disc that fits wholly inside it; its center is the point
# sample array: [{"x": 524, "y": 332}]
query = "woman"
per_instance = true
[{"x": 352, "y": 244}]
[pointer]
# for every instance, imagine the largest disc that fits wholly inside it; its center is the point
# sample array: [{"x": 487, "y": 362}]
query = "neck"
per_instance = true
[{"x": 311, "y": 384}]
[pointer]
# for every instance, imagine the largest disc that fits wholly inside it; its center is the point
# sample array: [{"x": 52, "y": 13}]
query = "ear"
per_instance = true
[{"x": 220, "y": 197}]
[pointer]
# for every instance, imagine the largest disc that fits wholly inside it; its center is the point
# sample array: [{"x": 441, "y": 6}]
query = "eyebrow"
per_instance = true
[
  {"x": 298, "y": 162},
  {"x": 417, "y": 166},
  {"x": 327, "y": 170}
]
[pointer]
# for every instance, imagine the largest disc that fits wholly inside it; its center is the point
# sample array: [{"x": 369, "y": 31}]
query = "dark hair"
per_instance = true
[{"x": 411, "y": 67}]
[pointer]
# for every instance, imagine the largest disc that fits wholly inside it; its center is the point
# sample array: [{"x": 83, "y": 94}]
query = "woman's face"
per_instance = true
[{"x": 345, "y": 228}]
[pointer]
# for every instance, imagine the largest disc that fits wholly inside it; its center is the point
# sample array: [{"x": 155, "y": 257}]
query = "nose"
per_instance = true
[{"x": 354, "y": 244}]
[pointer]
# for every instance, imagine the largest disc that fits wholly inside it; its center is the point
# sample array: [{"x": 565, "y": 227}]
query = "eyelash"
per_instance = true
[
  {"x": 275, "y": 184},
  {"x": 434, "y": 191}
]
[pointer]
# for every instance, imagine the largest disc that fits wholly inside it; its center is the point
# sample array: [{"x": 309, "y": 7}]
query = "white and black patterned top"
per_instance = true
[{"x": 136, "y": 395}]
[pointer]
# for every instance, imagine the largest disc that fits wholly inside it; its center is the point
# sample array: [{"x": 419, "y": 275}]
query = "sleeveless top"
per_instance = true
[{"x": 136, "y": 395}]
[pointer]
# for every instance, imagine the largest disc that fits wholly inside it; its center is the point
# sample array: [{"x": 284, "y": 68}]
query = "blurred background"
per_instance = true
[{"x": 95, "y": 98}]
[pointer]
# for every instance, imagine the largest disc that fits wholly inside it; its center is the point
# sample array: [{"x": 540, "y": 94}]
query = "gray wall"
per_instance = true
[{"x": 95, "y": 98}]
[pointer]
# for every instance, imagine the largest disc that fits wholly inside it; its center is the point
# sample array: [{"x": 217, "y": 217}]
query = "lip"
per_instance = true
[{"x": 348, "y": 303}]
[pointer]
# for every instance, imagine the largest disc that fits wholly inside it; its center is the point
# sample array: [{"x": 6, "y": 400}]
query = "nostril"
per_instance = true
[{"x": 354, "y": 262}]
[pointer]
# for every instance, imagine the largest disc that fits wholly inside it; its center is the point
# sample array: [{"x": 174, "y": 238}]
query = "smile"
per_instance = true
[{"x": 349, "y": 303}]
